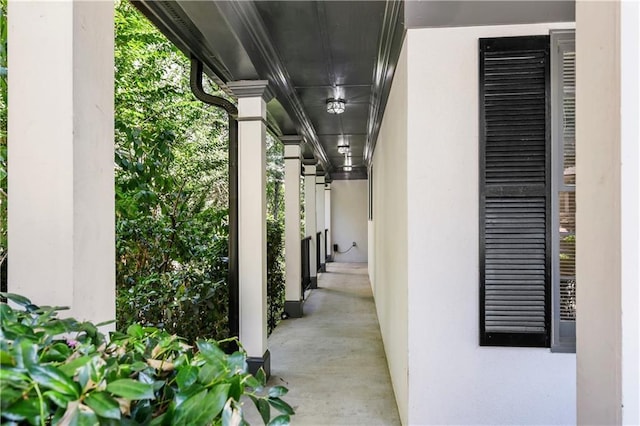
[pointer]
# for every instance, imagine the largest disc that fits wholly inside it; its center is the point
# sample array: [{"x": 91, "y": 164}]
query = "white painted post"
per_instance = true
[
  {"x": 310, "y": 225},
  {"x": 630, "y": 206},
  {"x": 61, "y": 182},
  {"x": 327, "y": 219},
  {"x": 292, "y": 249},
  {"x": 608, "y": 214},
  {"x": 320, "y": 219},
  {"x": 252, "y": 219}
]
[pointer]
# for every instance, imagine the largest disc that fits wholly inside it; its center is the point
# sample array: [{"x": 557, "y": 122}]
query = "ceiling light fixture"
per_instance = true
[
  {"x": 335, "y": 106},
  {"x": 344, "y": 149}
]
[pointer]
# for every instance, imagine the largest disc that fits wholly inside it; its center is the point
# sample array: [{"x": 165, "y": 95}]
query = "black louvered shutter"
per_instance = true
[{"x": 514, "y": 192}]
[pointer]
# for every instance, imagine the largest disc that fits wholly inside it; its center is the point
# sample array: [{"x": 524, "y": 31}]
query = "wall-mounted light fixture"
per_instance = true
[
  {"x": 335, "y": 106},
  {"x": 347, "y": 168}
]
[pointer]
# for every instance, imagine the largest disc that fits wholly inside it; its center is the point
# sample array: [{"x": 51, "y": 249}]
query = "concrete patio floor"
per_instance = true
[{"x": 332, "y": 359}]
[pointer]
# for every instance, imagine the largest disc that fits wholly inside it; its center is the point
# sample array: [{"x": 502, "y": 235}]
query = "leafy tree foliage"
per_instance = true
[
  {"x": 172, "y": 191},
  {"x": 171, "y": 188}
]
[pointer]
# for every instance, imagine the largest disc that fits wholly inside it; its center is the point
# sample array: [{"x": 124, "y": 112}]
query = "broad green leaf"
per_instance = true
[
  {"x": 263, "y": 408},
  {"x": 26, "y": 353},
  {"x": 281, "y": 406},
  {"x": 10, "y": 375},
  {"x": 103, "y": 404},
  {"x": 79, "y": 415},
  {"x": 139, "y": 366},
  {"x": 9, "y": 396},
  {"x": 131, "y": 389},
  {"x": 160, "y": 420},
  {"x": 181, "y": 396},
  {"x": 52, "y": 378},
  {"x": 252, "y": 382},
  {"x": 187, "y": 376},
  {"x": 278, "y": 391},
  {"x": 210, "y": 351},
  {"x": 70, "y": 368},
  {"x": 190, "y": 408},
  {"x": 217, "y": 398},
  {"x": 17, "y": 299},
  {"x": 209, "y": 373},
  {"x": 24, "y": 409},
  {"x": 237, "y": 362},
  {"x": 202, "y": 408},
  {"x": 237, "y": 389},
  {"x": 281, "y": 420},
  {"x": 261, "y": 376},
  {"x": 57, "y": 352},
  {"x": 6, "y": 313},
  {"x": 59, "y": 399},
  {"x": 135, "y": 330}
]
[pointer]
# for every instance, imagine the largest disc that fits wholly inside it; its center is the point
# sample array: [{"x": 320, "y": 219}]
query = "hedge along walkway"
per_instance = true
[{"x": 332, "y": 359}]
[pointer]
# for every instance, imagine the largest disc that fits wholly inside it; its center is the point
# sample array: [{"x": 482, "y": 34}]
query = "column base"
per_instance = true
[
  {"x": 314, "y": 282},
  {"x": 255, "y": 363},
  {"x": 323, "y": 267},
  {"x": 293, "y": 308}
]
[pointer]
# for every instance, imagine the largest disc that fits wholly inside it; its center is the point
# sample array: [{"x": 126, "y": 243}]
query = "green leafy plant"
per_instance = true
[
  {"x": 275, "y": 273},
  {"x": 62, "y": 371},
  {"x": 171, "y": 184}
]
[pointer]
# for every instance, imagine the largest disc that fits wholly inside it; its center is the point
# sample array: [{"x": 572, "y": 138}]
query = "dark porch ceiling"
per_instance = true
[
  {"x": 309, "y": 51},
  {"x": 313, "y": 50}
]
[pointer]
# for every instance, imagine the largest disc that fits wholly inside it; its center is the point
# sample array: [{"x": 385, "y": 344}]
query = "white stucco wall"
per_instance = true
[
  {"x": 452, "y": 380},
  {"x": 349, "y": 219},
  {"x": 388, "y": 231}
]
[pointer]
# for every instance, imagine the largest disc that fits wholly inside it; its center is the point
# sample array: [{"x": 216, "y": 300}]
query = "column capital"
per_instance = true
[
  {"x": 251, "y": 89},
  {"x": 319, "y": 179},
  {"x": 291, "y": 140},
  {"x": 310, "y": 162},
  {"x": 327, "y": 186},
  {"x": 309, "y": 170}
]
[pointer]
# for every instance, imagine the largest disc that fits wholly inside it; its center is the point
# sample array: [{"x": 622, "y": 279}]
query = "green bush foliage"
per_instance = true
[
  {"x": 61, "y": 371},
  {"x": 275, "y": 273},
  {"x": 172, "y": 192}
]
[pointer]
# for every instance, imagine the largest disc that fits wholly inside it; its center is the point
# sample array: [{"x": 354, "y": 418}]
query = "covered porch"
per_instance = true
[{"x": 408, "y": 75}]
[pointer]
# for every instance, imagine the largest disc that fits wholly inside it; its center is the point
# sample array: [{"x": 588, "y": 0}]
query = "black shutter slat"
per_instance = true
[{"x": 514, "y": 194}]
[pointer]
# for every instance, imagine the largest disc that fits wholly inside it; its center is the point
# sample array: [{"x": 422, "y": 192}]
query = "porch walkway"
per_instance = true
[{"x": 332, "y": 359}]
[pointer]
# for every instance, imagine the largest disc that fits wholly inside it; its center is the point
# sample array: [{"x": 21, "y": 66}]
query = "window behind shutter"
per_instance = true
[{"x": 514, "y": 192}]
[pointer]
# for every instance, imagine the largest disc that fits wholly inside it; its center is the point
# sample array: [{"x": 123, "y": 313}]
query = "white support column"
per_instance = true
[
  {"x": 327, "y": 219},
  {"x": 608, "y": 213},
  {"x": 630, "y": 206},
  {"x": 292, "y": 249},
  {"x": 320, "y": 219},
  {"x": 61, "y": 183},
  {"x": 310, "y": 225},
  {"x": 252, "y": 219}
]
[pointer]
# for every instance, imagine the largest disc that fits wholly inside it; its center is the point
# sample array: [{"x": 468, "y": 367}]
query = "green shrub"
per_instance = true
[
  {"x": 61, "y": 371},
  {"x": 186, "y": 293},
  {"x": 275, "y": 273}
]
